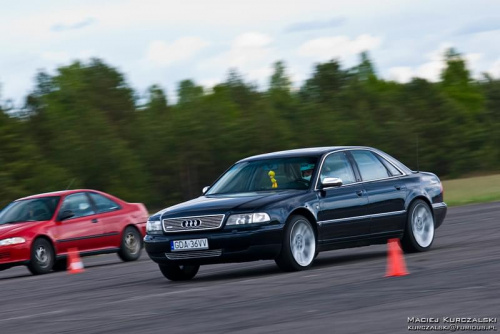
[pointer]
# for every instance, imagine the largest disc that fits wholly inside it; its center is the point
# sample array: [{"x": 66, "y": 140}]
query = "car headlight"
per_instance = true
[
  {"x": 12, "y": 241},
  {"x": 153, "y": 227},
  {"x": 248, "y": 218}
]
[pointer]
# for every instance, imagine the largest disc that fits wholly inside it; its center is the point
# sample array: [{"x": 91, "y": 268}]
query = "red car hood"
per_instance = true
[{"x": 13, "y": 230}]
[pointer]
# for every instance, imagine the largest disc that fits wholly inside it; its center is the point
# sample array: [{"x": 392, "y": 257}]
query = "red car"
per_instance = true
[{"x": 37, "y": 231}]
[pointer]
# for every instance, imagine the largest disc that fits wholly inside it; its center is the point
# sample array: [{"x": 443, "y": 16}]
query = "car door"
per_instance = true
[
  {"x": 82, "y": 231},
  {"x": 342, "y": 210},
  {"x": 111, "y": 218},
  {"x": 386, "y": 191}
]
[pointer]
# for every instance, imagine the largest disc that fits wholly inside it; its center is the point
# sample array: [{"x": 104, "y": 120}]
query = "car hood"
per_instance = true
[
  {"x": 217, "y": 204},
  {"x": 13, "y": 229}
]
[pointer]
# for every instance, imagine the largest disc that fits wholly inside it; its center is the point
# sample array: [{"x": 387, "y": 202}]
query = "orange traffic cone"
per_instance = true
[
  {"x": 75, "y": 264},
  {"x": 395, "y": 262}
]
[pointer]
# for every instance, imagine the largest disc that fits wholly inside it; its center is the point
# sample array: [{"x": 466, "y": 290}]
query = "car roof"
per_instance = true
[
  {"x": 302, "y": 152},
  {"x": 57, "y": 193}
]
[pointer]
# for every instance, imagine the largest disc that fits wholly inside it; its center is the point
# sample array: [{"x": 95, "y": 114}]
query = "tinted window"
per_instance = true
[
  {"x": 369, "y": 166},
  {"x": 265, "y": 175},
  {"x": 337, "y": 165},
  {"x": 37, "y": 209},
  {"x": 103, "y": 204},
  {"x": 79, "y": 204},
  {"x": 393, "y": 170}
]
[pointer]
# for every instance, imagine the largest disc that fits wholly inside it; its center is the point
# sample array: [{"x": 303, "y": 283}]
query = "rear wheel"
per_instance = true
[
  {"x": 42, "y": 257},
  {"x": 299, "y": 245},
  {"x": 419, "y": 231},
  {"x": 175, "y": 272},
  {"x": 131, "y": 245}
]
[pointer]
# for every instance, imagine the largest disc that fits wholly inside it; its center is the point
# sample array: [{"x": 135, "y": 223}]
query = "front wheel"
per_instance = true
[
  {"x": 42, "y": 257},
  {"x": 131, "y": 245},
  {"x": 419, "y": 231},
  {"x": 299, "y": 245},
  {"x": 175, "y": 272}
]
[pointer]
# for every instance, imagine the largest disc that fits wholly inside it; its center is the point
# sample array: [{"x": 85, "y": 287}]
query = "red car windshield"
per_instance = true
[{"x": 36, "y": 209}]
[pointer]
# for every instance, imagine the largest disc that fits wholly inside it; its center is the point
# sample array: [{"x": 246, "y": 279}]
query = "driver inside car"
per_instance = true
[{"x": 306, "y": 172}]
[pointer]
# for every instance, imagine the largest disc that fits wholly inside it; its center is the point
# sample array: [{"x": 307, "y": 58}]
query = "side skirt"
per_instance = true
[
  {"x": 359, "y": 241},
  {"x": 91, "y": 253}
]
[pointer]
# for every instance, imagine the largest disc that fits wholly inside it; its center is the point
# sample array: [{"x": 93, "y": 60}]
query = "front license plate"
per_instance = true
[{"x": 182, "y": 245}]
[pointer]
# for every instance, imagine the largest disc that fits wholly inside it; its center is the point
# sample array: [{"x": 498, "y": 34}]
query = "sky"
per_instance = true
[{"x": 164, "y": 42}]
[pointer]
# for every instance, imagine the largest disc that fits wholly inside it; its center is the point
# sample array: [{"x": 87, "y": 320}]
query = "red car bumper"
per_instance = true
[{"x": 15, "y": 254}]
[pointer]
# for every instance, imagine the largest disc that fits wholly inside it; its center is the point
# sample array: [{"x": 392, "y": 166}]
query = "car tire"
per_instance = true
[
  {"x": 419, "y": 231},
  {"x": 131, "y": 244},
  {"x": 175, "y": 272},
  {"x": 42, "y": 257},
  {"x": 299, "y": 245}
]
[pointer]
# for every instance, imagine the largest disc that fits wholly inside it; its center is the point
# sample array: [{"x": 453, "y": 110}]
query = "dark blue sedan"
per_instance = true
[{"x": 291, "y": 205}]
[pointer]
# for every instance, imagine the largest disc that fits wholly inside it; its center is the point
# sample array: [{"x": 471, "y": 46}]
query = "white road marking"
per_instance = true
[{"x": 36, "y": 315}]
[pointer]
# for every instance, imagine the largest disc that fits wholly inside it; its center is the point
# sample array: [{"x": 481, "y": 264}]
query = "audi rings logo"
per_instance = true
[{"x": 191, "y": 223}]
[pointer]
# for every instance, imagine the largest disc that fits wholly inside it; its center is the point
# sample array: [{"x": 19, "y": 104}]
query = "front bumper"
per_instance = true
[
  {"x": 236, "y": 244},
  {"x": 13, "y": 255}
]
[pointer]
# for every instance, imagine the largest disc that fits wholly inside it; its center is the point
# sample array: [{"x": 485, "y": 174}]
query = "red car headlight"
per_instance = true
[{"x": 12, "y": 241}]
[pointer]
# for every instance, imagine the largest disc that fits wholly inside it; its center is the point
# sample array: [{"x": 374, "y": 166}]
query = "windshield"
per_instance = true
[
  {"x": 36, "y": 209},
  {"x": 265, "y": 175}
]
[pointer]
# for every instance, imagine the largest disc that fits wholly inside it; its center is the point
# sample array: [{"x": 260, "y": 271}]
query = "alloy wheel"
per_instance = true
[
  {"x": 302, "y": 243},
  {"x": 422, "y": 224}
]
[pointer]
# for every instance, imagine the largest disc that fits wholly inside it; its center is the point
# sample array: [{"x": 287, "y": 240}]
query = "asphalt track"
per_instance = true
[{"x": 344, "y": 292}]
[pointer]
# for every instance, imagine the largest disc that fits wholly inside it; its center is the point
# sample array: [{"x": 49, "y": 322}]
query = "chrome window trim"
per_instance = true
[
  {"x": 356, "y": 149},
  {"x": 376, "y": 215}
]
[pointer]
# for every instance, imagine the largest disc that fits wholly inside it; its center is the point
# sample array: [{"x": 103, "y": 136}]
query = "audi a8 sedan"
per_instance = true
[
  {"x": 288, "y": 206},
  {"x": 40, "y": 230}
]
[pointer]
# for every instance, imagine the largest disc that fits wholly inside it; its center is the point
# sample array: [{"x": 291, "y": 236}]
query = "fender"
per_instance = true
[{"x": 417, "y": 193}]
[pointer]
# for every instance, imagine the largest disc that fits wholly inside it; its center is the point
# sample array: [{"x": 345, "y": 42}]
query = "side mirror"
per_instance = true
[
  {"x": 66, "y": 214},
  {"x": 331, "y": 182},
  {"x": 205, "y": 189}
]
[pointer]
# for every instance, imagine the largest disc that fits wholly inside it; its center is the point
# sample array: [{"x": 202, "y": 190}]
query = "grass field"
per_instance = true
[{"x": 472, "y": 190}]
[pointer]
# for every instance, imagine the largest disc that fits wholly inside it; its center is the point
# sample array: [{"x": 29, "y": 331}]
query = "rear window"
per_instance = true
[{"x": 370, "y": 167}]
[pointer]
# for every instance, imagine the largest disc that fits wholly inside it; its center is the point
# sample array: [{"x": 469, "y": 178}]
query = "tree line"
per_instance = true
[{"x": 86, "y": 127}]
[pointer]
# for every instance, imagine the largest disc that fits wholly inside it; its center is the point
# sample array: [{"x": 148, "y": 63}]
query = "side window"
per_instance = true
[
  {"x": 79, "y": 204},
  {"x": 393, "y": 170},
  {"x": 337, "y": 165},
  {"x": 103, "y": 204},
  {"x": 369, "y": 166}
]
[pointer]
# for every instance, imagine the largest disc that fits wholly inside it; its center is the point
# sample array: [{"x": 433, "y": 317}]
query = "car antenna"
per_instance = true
[
  {"x": 70, "y": 183},
  {"x": 418, "y": 168}
]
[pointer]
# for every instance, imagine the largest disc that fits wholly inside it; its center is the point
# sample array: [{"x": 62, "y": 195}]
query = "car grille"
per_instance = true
[
  {"x": 198, "y": 223},
  {"x": 194, "y": 254},
  {"x": 4, "y": 255}
]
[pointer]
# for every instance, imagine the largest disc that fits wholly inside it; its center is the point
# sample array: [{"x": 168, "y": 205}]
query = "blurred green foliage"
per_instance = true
[{"x": 85, "y": 127}]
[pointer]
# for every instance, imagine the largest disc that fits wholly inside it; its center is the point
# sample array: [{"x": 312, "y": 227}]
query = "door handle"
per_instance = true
[
  {"x": 398, "y": 187},
  {"x": 359, "y": 193},
  {"x": 95, "y": 220}
]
